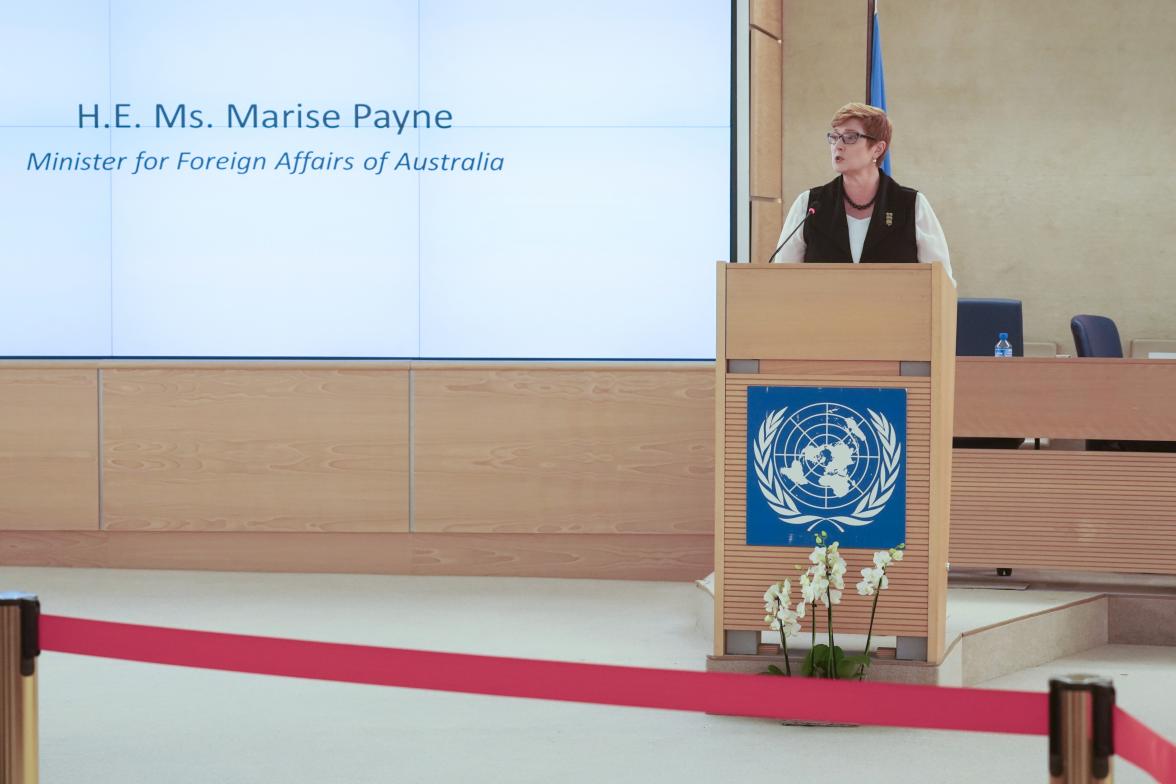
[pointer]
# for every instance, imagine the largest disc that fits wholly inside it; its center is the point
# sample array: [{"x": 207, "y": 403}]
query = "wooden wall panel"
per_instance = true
[
  {"x": 182, "y": 445},
  {"x": 564, "y": 451},
  {"x": 748, "y": 571},
  {"x": 766, "y": 69},
  {"x": 767, "y": 15},
  {"x": 767, "y": 218},
  {"x": 48, "y": 449},
  {"x": 233, "y": 551},
  {"x": 593, "y": 556},
  {"x": 1066, "y": 398},
  {"x": 1101, "y": 511},
  {"x": 621, "y": 556},
  {"x": 255, "y": 450},
  {"x": 766, "y": 123}
]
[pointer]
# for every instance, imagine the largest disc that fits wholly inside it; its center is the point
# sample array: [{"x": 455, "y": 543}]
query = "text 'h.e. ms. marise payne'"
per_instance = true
[{"x": 181, "y": 115}]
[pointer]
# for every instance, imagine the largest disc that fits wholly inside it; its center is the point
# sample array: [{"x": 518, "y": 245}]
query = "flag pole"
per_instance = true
[{"x": 871, "y": 9}]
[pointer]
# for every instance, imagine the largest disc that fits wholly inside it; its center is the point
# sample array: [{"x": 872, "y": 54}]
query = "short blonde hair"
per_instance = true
[{"x": 873, "y": 119}]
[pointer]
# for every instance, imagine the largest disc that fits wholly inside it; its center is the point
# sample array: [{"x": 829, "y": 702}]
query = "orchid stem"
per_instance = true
[
  {"x": 784, "y": 645},
  {"x": 832, "y": 673},
  {"x": 870, "y": 631}
]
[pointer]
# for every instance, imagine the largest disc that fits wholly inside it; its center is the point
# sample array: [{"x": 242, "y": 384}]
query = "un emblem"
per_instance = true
[{"x": 826, "y": 458}]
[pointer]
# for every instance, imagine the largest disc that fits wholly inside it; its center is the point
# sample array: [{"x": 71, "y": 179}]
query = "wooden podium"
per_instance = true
[{"x": 844, "y": 326}]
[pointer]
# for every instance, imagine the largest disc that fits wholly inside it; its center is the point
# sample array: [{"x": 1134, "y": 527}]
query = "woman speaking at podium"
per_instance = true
[{"x": 862, "y": 215}]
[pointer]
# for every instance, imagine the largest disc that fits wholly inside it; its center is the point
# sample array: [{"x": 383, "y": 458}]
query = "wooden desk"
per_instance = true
[
  {"x": 1066, "y": 398},
  {"x": 1065, "y": 509}
]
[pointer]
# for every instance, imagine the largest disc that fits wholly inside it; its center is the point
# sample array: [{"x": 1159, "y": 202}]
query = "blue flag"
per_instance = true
[{"x": 878, "y": 81}]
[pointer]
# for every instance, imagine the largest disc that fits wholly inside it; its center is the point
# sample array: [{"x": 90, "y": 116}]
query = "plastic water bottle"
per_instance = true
[{"x": 1003, "y": 347}]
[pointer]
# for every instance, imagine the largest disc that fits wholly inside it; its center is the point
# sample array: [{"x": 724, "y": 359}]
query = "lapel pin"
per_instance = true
[{"x": 890, "y": 219}]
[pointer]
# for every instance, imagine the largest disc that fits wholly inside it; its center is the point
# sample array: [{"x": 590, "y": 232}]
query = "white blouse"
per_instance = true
[{"x": 929, "y": 240}]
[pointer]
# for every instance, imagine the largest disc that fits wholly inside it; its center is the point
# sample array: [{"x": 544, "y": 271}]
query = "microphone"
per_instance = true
[{"x": 812, "y": 210}]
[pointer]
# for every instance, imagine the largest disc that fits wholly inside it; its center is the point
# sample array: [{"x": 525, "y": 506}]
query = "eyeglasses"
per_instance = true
[{"x": 849, "y": 137}]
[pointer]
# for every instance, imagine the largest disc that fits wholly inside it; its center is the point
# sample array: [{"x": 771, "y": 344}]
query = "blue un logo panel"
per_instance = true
[{"x": 826, "y": 459}]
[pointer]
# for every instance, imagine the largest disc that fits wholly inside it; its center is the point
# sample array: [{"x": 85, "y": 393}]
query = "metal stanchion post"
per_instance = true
[
  {"x": 20, "y": 618},
  {"x": 1081, "y": 740}
]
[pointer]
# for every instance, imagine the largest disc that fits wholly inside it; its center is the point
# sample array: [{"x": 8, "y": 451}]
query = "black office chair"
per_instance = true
[
  {"x": 1097, "y": 336},
  {"x": 979, "y": 323}
]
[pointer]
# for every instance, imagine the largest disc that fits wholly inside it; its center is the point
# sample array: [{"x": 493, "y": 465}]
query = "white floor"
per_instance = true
[{"x": 106, "y": 721}]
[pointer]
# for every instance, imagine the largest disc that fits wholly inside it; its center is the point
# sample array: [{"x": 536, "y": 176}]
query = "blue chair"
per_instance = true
[
  {"x": 1096, "y": 336},
  {"x": 979, "y": 323}
]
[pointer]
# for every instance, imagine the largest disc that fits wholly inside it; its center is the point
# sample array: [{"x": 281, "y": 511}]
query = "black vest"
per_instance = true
[{"x": 890, "y": 238}]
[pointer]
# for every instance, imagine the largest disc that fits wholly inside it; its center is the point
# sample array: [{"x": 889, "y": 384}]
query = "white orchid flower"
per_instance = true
[
  {"x": 836, "y": 564},
  {"x": 777, "y": 597},
  {"x": 816, "y": 592},
  {"x": 777, "y": 605},
  {"x": 872, "y": 580},
  {"x": 896, "y": 555},
  {"x": 882, "y": 559},
  {"x": 785, "y": 620}
]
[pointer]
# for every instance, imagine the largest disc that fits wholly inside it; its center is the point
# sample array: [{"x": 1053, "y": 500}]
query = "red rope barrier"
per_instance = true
[
  {"x": 1138, "y": 743},
  {"x": 980, "y": 710},
  {"x": 803, "y": 699}
]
